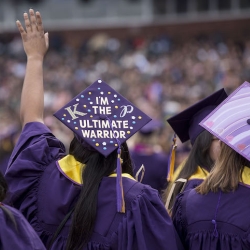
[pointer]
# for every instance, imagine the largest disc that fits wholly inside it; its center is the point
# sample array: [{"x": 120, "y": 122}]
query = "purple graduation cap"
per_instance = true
[
  {"x": 186, "y": 123},
  {"x": 230, "y": 121},
  {"x": 151, "y": 127},
  {"x": 102, "y": 118}
]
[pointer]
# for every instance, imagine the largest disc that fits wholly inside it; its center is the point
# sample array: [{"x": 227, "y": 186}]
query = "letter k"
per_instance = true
[{"x": 75, "y": 112}]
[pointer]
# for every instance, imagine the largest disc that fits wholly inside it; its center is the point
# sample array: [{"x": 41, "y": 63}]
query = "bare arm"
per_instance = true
[{"x": 35, "y": 44}]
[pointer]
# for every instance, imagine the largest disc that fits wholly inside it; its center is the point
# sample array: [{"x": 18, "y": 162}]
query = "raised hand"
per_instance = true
[{"x": 35, "y": 42}]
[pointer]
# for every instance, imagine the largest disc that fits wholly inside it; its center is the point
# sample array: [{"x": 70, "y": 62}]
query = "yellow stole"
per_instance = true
[
  {"x": 245, "y": 176},
  {"x": 123, "y": 175},
  {"x": 201, "y": 173},
  {"x": 72, "y": 169}
]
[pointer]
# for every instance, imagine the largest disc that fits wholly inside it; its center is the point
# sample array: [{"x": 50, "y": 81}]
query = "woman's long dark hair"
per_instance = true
[
  {"x": 198, "y": 156},
  {"x": 3, "y": 187},
  {"x": 3, "y": 191},
  {"x": 96, "y": 167}
]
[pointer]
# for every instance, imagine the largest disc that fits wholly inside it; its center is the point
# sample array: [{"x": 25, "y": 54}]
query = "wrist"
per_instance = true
[{"x": 35, "y": 58}]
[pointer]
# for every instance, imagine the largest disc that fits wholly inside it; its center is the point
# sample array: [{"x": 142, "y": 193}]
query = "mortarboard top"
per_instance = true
[
  {"x": 100, "y": 116},
  {"x": 150, "y": 127},
  {"x": 186, "y": 123},
  {"x": 230, "y": 121}
]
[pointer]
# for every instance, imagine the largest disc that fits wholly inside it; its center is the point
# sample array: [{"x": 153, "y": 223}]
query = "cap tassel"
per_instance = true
[
  {"x": 120, "y": 202},
  {"x": 172, "y": 160},
  {"x": 119, "y": 186}
]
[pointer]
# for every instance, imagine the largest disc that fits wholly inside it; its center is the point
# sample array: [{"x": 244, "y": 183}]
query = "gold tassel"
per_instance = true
[{"x": 172, "y": 161}]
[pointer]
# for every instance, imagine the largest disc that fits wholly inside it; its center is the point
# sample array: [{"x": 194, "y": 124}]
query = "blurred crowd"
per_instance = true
[{"x": 159, "y": 75}]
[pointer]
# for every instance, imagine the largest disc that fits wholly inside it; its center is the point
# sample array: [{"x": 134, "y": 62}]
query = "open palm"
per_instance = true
[{"x": 35, "y": 41}]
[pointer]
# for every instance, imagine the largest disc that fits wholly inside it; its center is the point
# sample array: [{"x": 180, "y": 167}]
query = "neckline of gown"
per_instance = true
[{"x": 72, "y": 169}]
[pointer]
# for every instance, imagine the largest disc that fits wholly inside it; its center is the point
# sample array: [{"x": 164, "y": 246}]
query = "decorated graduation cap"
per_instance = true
[
  {"x": 230, "y": 121},
  {"x": 186, "y": 123},
  {"x": 102, "y": 118}
]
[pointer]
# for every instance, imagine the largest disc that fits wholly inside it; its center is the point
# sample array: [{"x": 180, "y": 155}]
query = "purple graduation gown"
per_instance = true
[
  {"x": 191, "y": 184},
  {"x": 218, "y": 221},
  {"x": 44, "y": 195},
  {"x": 196, "y": 178},
  {"x": 19, "y": 237},
  {"x": 156, "y": 168}
]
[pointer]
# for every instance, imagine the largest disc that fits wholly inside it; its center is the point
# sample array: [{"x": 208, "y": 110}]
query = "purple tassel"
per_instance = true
[
  {"x": 215, "y": 232},
  {"x": 119, "y": 187}
]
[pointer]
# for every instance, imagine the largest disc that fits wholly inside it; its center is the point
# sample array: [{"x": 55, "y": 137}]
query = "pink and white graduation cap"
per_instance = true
[{"x": 230, "y": 121}]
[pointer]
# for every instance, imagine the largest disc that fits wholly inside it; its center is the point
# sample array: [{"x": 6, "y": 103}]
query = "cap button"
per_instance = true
[
  {"x": 248, "y": 121},
  {"x": 103, "y": 117}
]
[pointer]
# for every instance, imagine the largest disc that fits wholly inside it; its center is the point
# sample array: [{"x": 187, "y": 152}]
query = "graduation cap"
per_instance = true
[
  {"x": 151, "y": 127},
  {"x": 103, "y": 119},
  {"x": 230, "y": 121},
  {"x": 186, "y": 123}
]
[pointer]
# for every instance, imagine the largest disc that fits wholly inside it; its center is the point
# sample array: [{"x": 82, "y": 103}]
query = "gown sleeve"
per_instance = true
[
  {"x": 36, "y": 148},
  {"x": 147, "y": 225},
  {"x": 178, "y": 217},
  {"x": 17, "y": 234}
]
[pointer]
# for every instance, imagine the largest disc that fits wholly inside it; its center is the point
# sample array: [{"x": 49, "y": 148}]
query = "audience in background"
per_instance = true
[{"x": 160, "y": 76}]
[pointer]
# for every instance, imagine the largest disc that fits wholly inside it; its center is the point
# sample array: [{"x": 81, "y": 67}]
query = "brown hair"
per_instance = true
[{"x": 226, "y": 173}]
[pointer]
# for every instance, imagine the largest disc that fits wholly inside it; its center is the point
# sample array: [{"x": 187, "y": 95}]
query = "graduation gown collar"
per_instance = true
[
  {"x": 201, "y": 173},
  {"x": 72, "y": 169}
]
